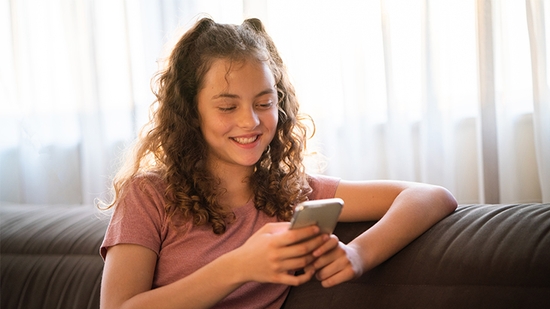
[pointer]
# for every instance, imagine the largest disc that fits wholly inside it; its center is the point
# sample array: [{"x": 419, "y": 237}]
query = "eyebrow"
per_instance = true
[{"x": 234, "y": 96}]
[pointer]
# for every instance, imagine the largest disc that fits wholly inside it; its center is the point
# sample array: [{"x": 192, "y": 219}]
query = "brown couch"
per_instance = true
[{"x": 481, "y": 256}]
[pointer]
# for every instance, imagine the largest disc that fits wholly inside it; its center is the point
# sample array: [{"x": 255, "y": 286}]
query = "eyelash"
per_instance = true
[
  {"x": 231, "y": 108},
  {"x": 266, "y": 105},
  {"x": 226, "y": 109}
]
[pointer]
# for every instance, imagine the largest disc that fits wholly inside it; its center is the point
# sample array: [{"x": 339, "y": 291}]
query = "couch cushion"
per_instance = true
[{"x": 49, "y": 256}]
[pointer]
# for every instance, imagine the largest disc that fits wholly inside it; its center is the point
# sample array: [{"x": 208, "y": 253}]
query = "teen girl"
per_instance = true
[{"x": 201, "y": 211}]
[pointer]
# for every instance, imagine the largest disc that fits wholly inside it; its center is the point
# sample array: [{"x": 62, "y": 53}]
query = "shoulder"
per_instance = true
[
  {"x": 322, "y": 186},
  {"x": 139, "y": 216},
  {"x": 145, "y": 191},
  {"x": 149, "y": 183}
]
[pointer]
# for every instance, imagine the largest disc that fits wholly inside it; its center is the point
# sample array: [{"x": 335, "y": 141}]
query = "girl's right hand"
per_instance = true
[{"x": 274, "y": 252}]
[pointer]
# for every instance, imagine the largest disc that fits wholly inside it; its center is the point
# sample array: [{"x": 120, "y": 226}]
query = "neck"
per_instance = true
[{"x": 234, "y": 181}]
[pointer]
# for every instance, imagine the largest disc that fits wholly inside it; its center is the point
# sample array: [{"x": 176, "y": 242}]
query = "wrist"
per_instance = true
[
  {"x": 358, "y": 259},
  {"x": 234, "y": 265}
]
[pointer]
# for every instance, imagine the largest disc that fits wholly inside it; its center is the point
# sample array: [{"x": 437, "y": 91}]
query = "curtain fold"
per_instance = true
[
  {"x": 488, "y": 142},
  {"x": 538, "y": 21},
  {"x": 398, "y": 89}
]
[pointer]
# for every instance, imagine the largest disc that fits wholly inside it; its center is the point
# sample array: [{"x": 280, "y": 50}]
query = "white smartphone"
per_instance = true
[{"x": 324, "y": 213}]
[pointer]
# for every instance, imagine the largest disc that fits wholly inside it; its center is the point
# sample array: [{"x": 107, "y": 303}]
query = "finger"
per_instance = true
[
  {"x": 329, "y": 266},
  {"x": 275, "y": 227},
  {"x": 302, "y": 248},
  {"x": 329, "y": 257},
  {"x": 345, "y": 275},
  {"x": 298, "y": 235},
  {"x": 294, "y": 280},
  {"x": 330, "y": 244},
  {"x": 304, "y": 277},
  {"x": 297, "y": 263},
  {"x": 342, "y": 260}
]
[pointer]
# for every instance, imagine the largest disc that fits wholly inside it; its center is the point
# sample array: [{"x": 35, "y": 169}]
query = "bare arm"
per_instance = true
[
  {"x": 267, "y": 256},
  {"x": 404, "y": 210},
  {"x": 128, "y": 276}
]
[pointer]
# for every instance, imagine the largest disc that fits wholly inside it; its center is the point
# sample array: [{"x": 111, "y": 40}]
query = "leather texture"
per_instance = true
[
  {"x": 481, "y": 256},
  {"x": 50, "y": 256}
]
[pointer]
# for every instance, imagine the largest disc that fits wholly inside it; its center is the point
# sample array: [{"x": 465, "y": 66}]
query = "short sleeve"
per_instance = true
[
  {"x": 322, "y": 186},
  {"x": 139, "y": 217}
]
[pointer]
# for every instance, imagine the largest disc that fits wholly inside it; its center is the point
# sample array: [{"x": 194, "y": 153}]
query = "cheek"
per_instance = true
[
  {"x": 216, "y": 126},
  {"x": 223, "y": 125},
  {"x": 273, "y": 119}
]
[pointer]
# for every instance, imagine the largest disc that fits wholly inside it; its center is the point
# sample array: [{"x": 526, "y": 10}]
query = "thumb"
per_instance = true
[{"x": 276, "y": 227}]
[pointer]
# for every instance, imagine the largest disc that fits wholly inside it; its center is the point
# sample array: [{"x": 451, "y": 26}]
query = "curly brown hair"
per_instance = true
[{"x": 172, "y": 145}]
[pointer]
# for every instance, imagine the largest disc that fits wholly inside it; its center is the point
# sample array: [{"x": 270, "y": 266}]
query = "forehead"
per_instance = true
[{"x": 227, "y": 74}]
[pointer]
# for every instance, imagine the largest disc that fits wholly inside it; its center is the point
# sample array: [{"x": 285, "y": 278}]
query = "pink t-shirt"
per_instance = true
[{"x": 141, "y": 219}]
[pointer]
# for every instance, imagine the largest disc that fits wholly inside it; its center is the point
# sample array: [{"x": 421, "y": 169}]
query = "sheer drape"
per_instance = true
[
  {"x": 538, "y": 20},
  {"x": 454, "y": 93}
]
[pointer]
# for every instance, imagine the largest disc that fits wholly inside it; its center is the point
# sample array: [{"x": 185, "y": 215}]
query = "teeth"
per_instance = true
[{"x": 245, "y": 140}]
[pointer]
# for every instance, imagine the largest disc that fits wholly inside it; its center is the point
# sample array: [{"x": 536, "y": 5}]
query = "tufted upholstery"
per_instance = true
[
  {"x": 50, "y": 256},
  {"x": 481, "y": 256}
]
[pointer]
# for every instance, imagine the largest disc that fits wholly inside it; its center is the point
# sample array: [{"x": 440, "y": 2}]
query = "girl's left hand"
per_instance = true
[{"x": 336, "y": 263}]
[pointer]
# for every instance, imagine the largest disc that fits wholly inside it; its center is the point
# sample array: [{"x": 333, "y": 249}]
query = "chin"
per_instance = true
[{"x": 250, "y": 161}]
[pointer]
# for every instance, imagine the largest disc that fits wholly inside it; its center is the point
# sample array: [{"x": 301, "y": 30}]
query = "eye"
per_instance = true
[
  {"x": 265, "y": 105},
  {"x": 226, "y": 108}
]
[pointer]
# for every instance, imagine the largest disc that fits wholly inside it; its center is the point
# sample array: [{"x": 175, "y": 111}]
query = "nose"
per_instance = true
[{"x": 248, "y": 118}]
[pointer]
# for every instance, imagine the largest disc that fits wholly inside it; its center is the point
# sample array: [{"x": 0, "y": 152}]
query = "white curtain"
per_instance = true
[
  {"x": 449, "y": 92},
  {"x": 538, "y": 20}
]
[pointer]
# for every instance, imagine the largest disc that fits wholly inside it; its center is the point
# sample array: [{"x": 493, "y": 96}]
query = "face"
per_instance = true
[{"x": 238, "y": 112}]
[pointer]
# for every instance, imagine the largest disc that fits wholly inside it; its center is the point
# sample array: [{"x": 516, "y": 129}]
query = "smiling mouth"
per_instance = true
[{"x": 245, "y": 140}]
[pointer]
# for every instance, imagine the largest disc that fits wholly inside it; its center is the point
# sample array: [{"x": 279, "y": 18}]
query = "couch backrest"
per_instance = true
[
  {"x": 50, "y": 256},
  {"x": 481, "y": 256}
]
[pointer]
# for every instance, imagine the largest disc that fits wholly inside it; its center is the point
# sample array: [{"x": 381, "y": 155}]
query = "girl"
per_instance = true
[{"x": 201, "y": 212}]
